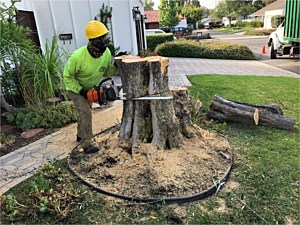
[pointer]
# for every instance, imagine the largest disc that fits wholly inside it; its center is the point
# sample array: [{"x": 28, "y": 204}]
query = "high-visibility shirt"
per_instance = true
[{"x": 84, "y": 71}]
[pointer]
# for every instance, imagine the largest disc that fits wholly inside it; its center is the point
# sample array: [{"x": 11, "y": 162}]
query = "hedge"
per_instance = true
[
  {"x": 207, "y": 49},
  {"x": 255, "y": 23},
  {"x": 154, "y": 40}
]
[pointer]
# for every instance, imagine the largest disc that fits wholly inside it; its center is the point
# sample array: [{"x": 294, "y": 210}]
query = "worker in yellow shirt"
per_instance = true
[{"x": 84, "y": 69}]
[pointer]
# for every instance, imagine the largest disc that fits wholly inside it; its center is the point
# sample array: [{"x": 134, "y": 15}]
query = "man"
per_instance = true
[{"x": 84, "y": 69}]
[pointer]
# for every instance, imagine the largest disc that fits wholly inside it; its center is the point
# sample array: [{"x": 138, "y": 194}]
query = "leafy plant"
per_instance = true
[
  {"x": 27, "y": 74},
  {"x": 15, "y": 48},
  {"x": 50, "y": 193},
  {"x": 48, "y": 117},
  {"x": 208, "y": 49},
  {"x": 44, "y": 79}
]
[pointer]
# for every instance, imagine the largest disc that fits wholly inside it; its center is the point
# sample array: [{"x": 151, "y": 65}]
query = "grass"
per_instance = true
[
  {"x": 260, "y": 32},
  {"x": 234, "y": 30},
  {"x": 266, "y": 173}
]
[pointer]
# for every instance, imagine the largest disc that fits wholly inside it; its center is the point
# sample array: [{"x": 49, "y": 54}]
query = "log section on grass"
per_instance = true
[
  {"x": 151, "y": 121},
  {"x": 268, "y": 115}
]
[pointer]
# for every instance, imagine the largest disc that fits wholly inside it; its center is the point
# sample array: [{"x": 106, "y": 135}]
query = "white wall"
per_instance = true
[{"x": 54, "y": 17}]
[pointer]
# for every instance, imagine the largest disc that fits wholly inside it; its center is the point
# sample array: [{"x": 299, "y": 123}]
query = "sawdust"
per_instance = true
[{"x": 153, "y": 173}]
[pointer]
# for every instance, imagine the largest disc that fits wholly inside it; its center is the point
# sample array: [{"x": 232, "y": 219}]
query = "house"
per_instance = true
[
  {"x": 67, "y": 20},
  {"x": 152, "y": 21},
  {"x": 265, "y": 14}
]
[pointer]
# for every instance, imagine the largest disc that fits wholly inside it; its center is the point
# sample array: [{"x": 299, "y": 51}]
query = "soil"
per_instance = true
[{"x": 151, "y": 173}]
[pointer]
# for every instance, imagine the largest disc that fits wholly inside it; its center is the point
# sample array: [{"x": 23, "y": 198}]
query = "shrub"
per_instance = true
[
  {"x": 54, "y": 116},
  {"x": 208, "y": 49},
  {"x": 256, "y": 23},
  {"x": 276, "y": 21},
  {"x": 154, "y": 40}
]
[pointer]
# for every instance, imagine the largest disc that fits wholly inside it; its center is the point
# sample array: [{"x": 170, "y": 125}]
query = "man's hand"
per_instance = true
[{"x": 83, "y": 93}]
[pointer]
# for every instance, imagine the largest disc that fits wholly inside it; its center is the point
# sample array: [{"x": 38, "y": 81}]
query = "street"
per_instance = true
[{"x": 256, "y": 43}]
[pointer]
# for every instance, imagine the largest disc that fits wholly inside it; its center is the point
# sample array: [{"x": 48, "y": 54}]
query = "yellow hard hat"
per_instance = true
[{"x": 95, "y": 29}]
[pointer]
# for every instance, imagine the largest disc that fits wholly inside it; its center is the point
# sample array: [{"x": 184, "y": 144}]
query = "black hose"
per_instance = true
[{"x": 177, "y": 200}]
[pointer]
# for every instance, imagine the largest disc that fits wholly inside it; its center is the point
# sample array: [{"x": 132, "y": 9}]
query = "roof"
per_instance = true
[
  {"x": 152, "y": 16},
  {"x": 279, "y": 4}
]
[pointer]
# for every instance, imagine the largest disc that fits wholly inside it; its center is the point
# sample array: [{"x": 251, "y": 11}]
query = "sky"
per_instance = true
[{"x": 207, "y": 3}]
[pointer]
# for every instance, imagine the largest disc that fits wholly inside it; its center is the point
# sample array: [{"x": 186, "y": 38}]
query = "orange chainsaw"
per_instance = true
[{"x": 102, "y": 93}]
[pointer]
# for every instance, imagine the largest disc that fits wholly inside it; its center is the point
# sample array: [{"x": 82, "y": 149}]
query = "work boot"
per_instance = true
[
  {"x": 78, "y": 139},
  {"x": 90, "y": 149}
]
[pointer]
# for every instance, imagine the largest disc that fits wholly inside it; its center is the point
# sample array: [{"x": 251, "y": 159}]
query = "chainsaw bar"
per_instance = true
[{"x": 148, "y": 98}]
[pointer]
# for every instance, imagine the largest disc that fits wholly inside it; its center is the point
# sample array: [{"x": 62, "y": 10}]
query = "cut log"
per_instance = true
[
  {"x": 267, "y": 115},
  {"x": 151, "y": 121}
]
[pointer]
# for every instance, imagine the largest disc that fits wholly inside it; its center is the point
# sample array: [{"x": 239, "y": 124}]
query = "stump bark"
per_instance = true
[
  {"x": 268, "y": 115},
  {"x": 150, "y": 121}
]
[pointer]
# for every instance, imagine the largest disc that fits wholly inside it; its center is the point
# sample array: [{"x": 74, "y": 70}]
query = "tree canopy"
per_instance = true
[
  {"x": 238, "y": 8},
  {"x": 149, "y": 5},
  {"x": 192, "y": 13},
  {"x": 168, "y": 13}
]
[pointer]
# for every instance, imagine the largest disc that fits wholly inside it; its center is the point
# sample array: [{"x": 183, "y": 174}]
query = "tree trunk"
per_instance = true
[
  {"x": 267, "y": 115},
  {"x": 150, "y": 121},
  {"x": 4, "y": 104}
]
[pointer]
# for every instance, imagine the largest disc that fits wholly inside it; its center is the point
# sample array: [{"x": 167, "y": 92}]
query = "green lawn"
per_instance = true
[
  {"x": 233, "y": 30},
  {"x": 266, "y": 172}
]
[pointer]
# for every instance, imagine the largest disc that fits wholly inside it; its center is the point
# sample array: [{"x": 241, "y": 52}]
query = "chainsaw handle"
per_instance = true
[{"x": 106, "y": 79}]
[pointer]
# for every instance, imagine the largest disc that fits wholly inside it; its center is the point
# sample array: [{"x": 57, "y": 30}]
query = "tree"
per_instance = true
[
  {"x": 245, "y": 8},
  {"x": 149, "y": 4},
  {"x": 227, "y": 8},
  {"x": 192, "y": 13},
  {"x": 258, "y": 4},
  {"x": 168, "y": 10}
]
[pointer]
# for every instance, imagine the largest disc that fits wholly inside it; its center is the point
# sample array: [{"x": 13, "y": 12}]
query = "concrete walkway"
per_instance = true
[{"x": 22, "y": 163}]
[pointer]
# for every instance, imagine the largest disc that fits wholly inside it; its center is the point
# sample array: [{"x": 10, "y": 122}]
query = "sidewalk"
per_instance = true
[{"x": 22, "y": 163}]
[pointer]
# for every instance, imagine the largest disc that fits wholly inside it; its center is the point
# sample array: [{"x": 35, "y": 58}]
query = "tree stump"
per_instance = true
[
  {"x": 150, "y": 121},
  {"x": 268, "y": 115}
]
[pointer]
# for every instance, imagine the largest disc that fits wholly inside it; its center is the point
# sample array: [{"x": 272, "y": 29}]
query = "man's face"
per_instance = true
[{"x": 100, "y": 43}]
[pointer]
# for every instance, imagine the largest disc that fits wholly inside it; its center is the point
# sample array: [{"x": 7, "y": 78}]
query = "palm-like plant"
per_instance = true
[
  {"x": 45, "y": 79},
  {"x": 15, "y": 46}
]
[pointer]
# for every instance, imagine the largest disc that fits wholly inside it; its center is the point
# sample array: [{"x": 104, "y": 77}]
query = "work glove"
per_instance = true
[
  {"x": 83, "y": 93},
  {"x": 121, "y": 53}
]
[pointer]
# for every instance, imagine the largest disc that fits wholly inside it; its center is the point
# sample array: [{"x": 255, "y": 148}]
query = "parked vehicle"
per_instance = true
[
  {"x": 209, "y": 25},
  {"x": 218, "y": 25},
  {"x": 154, "y": 31},
  {"x": 286, "y": 38},
  {"x": 180, "y": 31}
]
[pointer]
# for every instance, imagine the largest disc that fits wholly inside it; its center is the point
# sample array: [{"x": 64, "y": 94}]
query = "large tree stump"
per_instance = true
[
  {"x": 268, "y": 115},
  {"x": 151, "y": 121}
]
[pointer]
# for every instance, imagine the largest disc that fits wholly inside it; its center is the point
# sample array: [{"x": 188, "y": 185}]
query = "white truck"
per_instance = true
[{"x": 285, "y": 39}]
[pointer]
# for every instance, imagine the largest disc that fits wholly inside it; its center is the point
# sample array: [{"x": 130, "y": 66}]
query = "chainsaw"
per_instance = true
[
  {"x": 108, "y": 92},
  {"x": 102, "y": 93}
]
